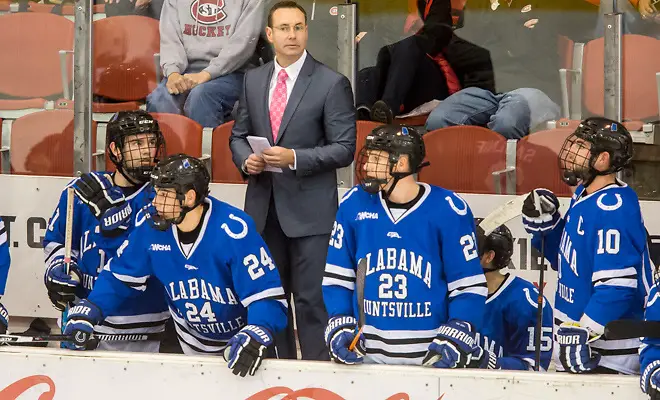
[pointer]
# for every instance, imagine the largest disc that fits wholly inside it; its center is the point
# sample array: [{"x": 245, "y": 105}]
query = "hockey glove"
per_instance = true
[
  {"x": 650, "y": 380},
  {"x": 4, "y": 319},
  {"x": 106, "y": 201},
  {"x": 484, "y": 359},
  {"x": 339, "y": 335},
  {"x": 540, "y": 211},
  {"x": 61, "y": 287},
  {"x": 453, "y": 347},
  {"x": 80, "y": 325},
  {"x": 575, "y": 353},
  {"x": 247, "y": 349}
]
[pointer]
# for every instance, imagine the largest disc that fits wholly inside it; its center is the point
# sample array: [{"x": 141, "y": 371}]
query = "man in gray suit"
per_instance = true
[{"x": 306, "y": 112}]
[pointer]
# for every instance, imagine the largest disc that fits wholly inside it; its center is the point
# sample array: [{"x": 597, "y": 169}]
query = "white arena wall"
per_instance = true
[{"x": 47, "y": 374}]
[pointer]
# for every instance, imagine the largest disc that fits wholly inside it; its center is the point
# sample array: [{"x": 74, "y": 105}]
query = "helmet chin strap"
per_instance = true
[{"x": 163, "y": 224}]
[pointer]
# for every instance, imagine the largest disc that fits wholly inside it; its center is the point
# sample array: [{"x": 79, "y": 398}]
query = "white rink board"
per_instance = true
[
  {"x": 28, "y": 202},
  {"x": 45, "y": 374}
]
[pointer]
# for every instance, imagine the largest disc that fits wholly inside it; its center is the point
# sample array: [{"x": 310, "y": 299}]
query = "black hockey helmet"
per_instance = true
[
  {"x": 576, "y": 158},
  {"x": 500, "y": 240},
  {"x": 396, "y": 141},
  {"x": 181, "y": 173},
  {"x": 138, "y": 154}
]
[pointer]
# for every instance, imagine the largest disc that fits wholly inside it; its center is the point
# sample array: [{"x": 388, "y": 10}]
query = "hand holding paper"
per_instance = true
[{"x": 258, "y": 145}]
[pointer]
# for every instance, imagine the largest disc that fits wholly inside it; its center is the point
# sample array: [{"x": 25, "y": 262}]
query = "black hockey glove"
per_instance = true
[
  {"x": 247, "y": 349},
  {"x": 453, "y": 347},
  {"x": 106, "y": 201},
  {"x": 540, "y": 211},
  {"x": 62, "y": 287}
]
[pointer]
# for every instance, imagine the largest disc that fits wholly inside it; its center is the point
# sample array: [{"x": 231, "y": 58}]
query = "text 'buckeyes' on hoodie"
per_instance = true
[{"x": 216, "y": 36}]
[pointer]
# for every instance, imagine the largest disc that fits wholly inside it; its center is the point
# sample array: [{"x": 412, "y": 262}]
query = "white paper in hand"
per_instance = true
[{"x": 258, "y": 145}]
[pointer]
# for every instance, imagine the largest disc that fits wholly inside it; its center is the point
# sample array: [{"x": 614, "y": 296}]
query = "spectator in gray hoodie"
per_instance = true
[{"x": 205, "y": 46}]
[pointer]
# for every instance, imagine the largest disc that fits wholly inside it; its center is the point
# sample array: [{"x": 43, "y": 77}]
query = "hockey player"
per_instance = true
[
  {"x": 599, "y": 249},
  {"x": 5, "y": 260},
  {"x": 424, "y": 290},
  {"x": 650, "y": 349},
  {"x": 104, "y": 211},
  {"x": 223, "y": 290},
  {"x": 507, "y": 336}
]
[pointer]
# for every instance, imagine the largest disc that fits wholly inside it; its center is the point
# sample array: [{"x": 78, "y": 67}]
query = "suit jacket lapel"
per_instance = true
[
  {"x": 264, "y": 82},
  {"x": 299, "y": 89}
]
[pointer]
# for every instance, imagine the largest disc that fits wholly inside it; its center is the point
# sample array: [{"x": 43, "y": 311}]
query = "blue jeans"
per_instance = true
[
  {"x": 510, "y": 114},
  {"x": 209, "y": 104}
]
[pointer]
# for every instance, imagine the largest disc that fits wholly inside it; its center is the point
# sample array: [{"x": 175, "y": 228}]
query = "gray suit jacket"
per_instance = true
[{"x": 319, "y": 124}]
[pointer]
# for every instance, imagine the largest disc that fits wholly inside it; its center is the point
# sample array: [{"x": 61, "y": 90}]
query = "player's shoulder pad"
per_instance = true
[
  {"x": 234, "y": 222},
  {"x": 447, "y": 200}
]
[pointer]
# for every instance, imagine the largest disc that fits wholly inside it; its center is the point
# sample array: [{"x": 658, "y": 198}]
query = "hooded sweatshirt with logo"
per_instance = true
[{"x": 216, "y": 36}]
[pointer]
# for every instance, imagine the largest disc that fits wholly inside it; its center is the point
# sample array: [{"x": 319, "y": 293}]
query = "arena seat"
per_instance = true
[
  {"x": 30, "y": 45},
  {"x": 463, "y": 158},
  {"x": 223, "y": 169},
  {"x": 537, "y": 164},
  {"x": 41, "y": 143}
]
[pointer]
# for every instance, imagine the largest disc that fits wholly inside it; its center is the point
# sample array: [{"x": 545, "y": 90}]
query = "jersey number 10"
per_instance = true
[{"x": 611, "y": 242}]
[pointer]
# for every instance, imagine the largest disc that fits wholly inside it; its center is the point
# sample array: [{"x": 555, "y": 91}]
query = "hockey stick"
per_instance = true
[
  {"x": 632, "y": 328},
  {"x": 501, "y": 215},
  {"x": 68, "y": 238},
  {"x": 539, "y": 308},
  {"x": 122, "y": 337},
  {"x": 360, "y": 277}
]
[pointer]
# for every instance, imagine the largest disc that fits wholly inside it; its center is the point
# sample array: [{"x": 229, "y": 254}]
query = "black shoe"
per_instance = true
[{"x": 381, "y": 112}]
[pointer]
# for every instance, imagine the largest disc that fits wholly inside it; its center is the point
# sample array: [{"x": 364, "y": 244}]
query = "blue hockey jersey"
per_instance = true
[
  {"x": 92, "y": 250},
  {"x": 5, "y": 260},
  {"x": 601, "y": 253},
  {"x": 510, "y": 322},
  {"x": 226, "y": 280},
  {"x": 422, "y": 270},
  {"x": 650, "y": 349}
]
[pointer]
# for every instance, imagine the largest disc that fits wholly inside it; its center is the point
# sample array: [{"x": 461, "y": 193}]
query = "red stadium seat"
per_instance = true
[
  {"x": 41, "y": 143},
  {"x": 640, "y": 62},
  {"x": 30, "y": 65},
  {"x": 223, "y": 169},
  {"x": 124, "y": 48},
  {"x": 536, "y": 162},
  {"x": 463, "y": 158}
]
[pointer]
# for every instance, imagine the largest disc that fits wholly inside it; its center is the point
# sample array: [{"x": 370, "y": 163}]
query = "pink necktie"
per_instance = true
[{"x": 278, "y": 103}]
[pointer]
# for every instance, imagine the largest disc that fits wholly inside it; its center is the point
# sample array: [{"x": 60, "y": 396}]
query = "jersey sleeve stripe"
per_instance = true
[
  {"x": 328, "y": 281},
  {"x": 276, "y": 292},
  {"x": 480, "y": 290},
  {"x": 3, "y": 236},
  {"x": 476, "y": 280},
  {"x": 131, "y": 279},
  {"x": 629, "y": 282},
  {"x": 339, "y": 277},
  {"x": 53, "y": 249},
  {"x": 331, "y": 269},
  {"x": 613, "y": 273}
]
